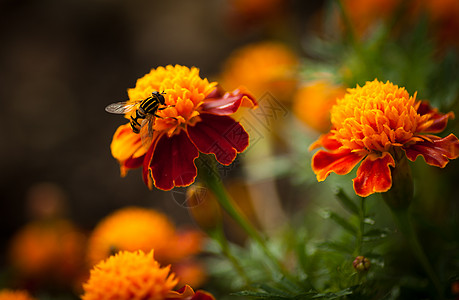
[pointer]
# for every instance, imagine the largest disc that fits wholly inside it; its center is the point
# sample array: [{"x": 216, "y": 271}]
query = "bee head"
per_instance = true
[{"x": 159, "y": 96}]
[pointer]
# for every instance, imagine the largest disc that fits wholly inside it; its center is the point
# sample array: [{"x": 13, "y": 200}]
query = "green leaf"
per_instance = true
[
  {"x": 338, "y": 247},
  {"x": 347, "y": 203},
  {"x": 330, "y": 296},
  {"x": 343, "y": 223},
  {"x": 375, "y": 234}
]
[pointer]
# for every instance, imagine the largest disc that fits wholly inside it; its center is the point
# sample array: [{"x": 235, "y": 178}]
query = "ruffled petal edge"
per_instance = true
[
  {"x": 219, "y": 135},
  {"x": 171, "y": 162},
  {"x": 229, "y": 102},
  {"x": 436, "y": 122},
  {"x": 436, "y": 151},
  {"x": 374, "y": 174},
  {"x": 340, "y": 162},
  {"x": 187, "y": 293}
]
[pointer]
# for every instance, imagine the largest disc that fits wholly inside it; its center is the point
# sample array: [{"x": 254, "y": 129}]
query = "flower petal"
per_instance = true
[
  {"x": 127, "y": 148},
  {"x": 172, "y": 163},
  {"x": 436, "y": 151},
  {"x": 326, "y": 141},
  {"x": 374, "y": 174},
  {"x": 220, "y": 135},
  {"x": 187, "y": 293},
  {"x": 341, "y": 162},
  {"x": 229, "y": 103},
  {"x": 437, "y": 121}
]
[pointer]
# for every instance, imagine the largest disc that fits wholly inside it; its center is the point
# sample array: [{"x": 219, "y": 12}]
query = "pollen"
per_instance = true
[{"x": 375, "y": 117}]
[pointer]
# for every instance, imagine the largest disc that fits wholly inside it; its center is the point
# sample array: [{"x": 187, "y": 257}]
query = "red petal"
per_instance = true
[
  {"x": 229, "y": 103},
  {"x": 436, "y": 152},
  {"x": 340, "y": 162},
  {"x": 220, "y": 135},
  {"x": 373, "y": 175},
  {"x": 438, "y": 120},
  {"x": 172, "y": 163},
  {"x": 187, "y": 293},
  {"x": 326, "y": 141}
]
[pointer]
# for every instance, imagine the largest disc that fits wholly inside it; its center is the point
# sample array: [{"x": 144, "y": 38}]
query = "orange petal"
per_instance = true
[
  {"x": 340, "y": 162},
  {"x": 327, "y": 141},
  {"x": 126, "y": 144},
  {"x": 435, "y": 152},
  {"x": 373, "y": 175}
]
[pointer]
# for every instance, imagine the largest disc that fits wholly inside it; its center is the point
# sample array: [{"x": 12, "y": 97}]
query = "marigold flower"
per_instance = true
[
  {"x": 6, "y": 294},
  {"x": 262, "y": 67},
  {"x": 48, "y": 250},
  {"x": 135, "y": 228},
  {"x": 312, "y": 104},
  {"x": 129, "y": 275},
  {"x": 370, "y": 123},
  {"x": 196, "y": 121}
]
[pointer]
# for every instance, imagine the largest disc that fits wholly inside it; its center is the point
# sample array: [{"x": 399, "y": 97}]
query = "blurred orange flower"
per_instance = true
[
  {"x": 6, "y": 294},
  {"x": 262, "y": 67},
  {"x": 51, "y": 251},
  {"x": 376, "y": 123},
  {"x": 135, "y": 228},
  {"x": 312, "y": 104}
]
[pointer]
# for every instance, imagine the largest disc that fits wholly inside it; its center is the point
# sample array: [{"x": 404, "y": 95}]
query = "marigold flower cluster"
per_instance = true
[{"x": 136, "y": 228}]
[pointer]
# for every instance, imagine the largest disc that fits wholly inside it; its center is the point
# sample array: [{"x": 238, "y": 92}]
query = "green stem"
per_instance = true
[
  {"x": 218, "y": 235},
  {"x": 348, "y": 24},
  {"x": 405, "y": 225},
  {"x": 211, "y": 178},
  {"x": 359, "y": 241}
]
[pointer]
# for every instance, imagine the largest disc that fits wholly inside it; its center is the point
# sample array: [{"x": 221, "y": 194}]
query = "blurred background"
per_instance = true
[{"x": 62, "y": 62}]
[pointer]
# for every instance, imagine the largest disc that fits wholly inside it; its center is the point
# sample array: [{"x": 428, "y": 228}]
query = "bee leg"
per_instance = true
[{"x": 163, "y": 108}]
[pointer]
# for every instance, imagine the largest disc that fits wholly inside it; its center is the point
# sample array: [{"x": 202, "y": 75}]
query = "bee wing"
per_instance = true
[
  {"x": 121, "y": 107},
  {"x": 146, "y": 131}
]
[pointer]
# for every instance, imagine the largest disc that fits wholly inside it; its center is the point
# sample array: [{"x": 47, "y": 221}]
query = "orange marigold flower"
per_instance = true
[
  {"x": 195, "y": 119},
  {"x": 129, "y": 275},
  {"x": 6, "y": 294},
  {"x": 312, "y": 104},
  {"x": 48, "y": 250},
  {"x": 370, "y": 123},
  {"x": 135, "y": 228},
  {"x": 262, "y": 67}
]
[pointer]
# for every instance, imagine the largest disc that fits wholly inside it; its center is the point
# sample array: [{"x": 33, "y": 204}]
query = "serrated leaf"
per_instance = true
[
  {"x": 343, "y": 223},
  {"x": 347, "y": 202}
]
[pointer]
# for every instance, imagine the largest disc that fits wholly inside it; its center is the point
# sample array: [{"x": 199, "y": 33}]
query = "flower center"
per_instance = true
[
  {"x": 375, "y": 117},
  {"x": 184, "y": 93}
]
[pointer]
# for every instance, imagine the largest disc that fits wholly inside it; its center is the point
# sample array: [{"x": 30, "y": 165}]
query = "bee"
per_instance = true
[{"x": 144, "y": 113}]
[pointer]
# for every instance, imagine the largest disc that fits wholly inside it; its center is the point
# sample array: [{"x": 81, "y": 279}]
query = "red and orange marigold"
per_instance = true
[
  {"x": 196, "y": 120},
  {"x": 135, "y": 276},
  {"x": 371, "y": 123}
]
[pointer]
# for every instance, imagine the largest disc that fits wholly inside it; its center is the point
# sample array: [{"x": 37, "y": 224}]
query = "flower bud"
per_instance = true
[{"x": 361, "y": 264}]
